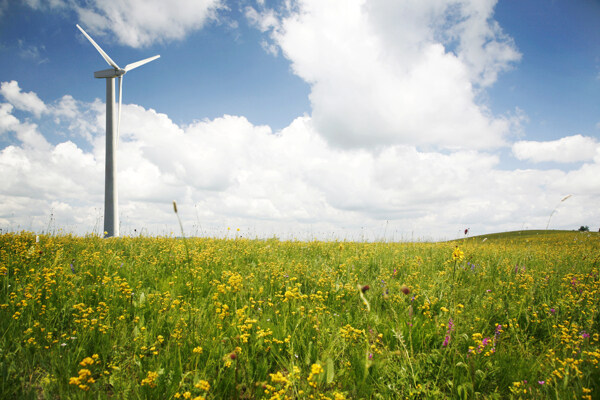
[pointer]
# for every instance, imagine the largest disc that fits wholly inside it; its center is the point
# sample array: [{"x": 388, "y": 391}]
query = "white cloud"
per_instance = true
[
  {"x": 23, "y": 101},
  {"x": 42, "y": 4},
  {"x": 569, "y": 149},
  {"x": 264, "y": 21},
  {"x": 66, "y": 107},
  {"x": 81, "y": 120},
  {"x": 229, "y": 172},
  {"x": 8, "y": 122},
  {"x": 139, "y": 23},
  {"x": 27, "y": 133},
  {"x": 482, "y": 45},
  {"x": 386, "y": 73}
]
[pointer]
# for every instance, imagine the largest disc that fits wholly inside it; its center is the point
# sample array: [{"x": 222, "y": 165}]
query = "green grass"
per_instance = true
[
  {"x": 530, "y": 234},
  {"x": 514, "y": 316}
]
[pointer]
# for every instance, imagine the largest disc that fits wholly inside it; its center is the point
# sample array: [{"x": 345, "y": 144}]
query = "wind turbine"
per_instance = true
[{"x": 111, "y": 205}]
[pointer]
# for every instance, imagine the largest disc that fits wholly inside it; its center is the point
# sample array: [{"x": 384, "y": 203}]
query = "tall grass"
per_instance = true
[{"x": 149, "y": 318}]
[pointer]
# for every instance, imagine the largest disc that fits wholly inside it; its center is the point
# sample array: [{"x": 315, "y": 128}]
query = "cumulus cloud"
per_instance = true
[
  {"x": 66, "y": 107},
  {"x": 23, "y": 101},
  {"x": 569, "y": 149},
  {"x": 8, "y": 122},
  {"x": 388, "y": 73},
  {"x": 293, "y": 183},
  {"x": 139, "y": 24}
]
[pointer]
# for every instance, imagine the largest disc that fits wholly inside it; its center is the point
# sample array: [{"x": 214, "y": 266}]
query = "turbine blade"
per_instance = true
[
  {"x": 119, "y": 117},
  {"x": 136, "y": 64},
  {"x": 102, "y": 53}
]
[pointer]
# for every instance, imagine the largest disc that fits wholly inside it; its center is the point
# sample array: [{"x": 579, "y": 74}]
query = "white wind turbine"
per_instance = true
[{"x": 111, "y": 213}]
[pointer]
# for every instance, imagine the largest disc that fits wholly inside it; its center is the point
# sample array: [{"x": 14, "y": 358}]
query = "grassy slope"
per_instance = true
[{"x": 525, "y": 235}]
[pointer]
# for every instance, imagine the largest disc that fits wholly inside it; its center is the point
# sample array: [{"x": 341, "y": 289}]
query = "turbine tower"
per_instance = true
[{"x": 111, "y": 205}]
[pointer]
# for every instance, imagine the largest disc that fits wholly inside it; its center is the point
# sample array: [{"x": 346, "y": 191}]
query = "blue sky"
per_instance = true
[
  {"x": 318, "y": 120},
  {"x": 556, "y": 81}
]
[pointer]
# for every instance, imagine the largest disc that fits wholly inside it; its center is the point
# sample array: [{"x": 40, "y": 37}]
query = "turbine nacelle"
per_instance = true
[
  {"x": 109, "y": 73},
  {"x": 119, "y": 72}
]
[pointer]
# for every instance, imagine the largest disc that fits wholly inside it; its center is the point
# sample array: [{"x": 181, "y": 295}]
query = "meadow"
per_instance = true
[{"x": 510, "y": 316}]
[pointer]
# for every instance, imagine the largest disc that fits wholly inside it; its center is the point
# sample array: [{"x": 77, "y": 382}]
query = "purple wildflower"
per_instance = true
[
  {"x": 448, "y": 333},
  {"x": 584, "y": 334},
  {"x": 497, "y": 333}
]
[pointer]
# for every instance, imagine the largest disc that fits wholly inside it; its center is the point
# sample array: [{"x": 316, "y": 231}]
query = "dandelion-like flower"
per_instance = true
[{"x": 458, "y": 254}]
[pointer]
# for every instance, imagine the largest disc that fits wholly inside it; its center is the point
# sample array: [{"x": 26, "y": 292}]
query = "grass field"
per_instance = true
[{"x": 511, "y": 316}]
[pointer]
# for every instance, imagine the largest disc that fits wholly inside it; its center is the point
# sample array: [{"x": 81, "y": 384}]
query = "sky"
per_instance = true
[{"x": 304, "y": 119}]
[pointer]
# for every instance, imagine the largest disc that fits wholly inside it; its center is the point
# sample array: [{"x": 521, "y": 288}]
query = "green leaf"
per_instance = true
[
  {"x": 307, "y": 358},
  {"x": 330, "y": 371}
]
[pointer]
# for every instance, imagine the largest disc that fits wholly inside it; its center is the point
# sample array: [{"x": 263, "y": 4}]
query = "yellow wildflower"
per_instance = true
[{"x": 458, "y": 254}]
